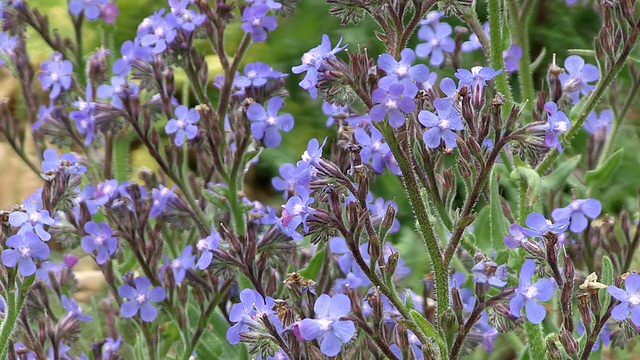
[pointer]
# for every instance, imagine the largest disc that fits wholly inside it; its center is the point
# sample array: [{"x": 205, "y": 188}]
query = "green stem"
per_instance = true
[
  {"x": 497, "y": 49},
  {"x": 580, "y": 112},
  {"x": 520, "y": 19},
  {"x": 14, "y": 307},
  {"x": 535, "y": 340},
  {"x": 120, "y": 157}
]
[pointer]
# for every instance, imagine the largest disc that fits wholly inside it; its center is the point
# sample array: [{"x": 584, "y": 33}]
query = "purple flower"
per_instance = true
[
  {"x": 34, "y": 218},
  {"x": 7, "y": 46},
  {"x": 313, "y": 154},
  {"x": 539, "y": 225},
  {"x": 55, "y": 74},
  {"x": 100, "y": 239},
  {"x": 20, "y": 348},
  {"x": 91, "y": 8},
  {"x": 441, "y": 127},
  {"x": 110, "y": 346},
  {"x": 181, "y": 264},
  {"x": 327, "y": 325},
  {"x": 473, "y": 43},
  {"x": 84, "y": 116},
  {"x": 272, "y": 4},
  {"x": 431, "y": 18},
  {"x": 71, "y": 305},
  {"x": 334, "y": 112},
  {"x": 516, "y": 237},
  {"x": 186, "y": 19},
  {"x": 313, "y": 61},
  {"x": 488, "y": 272},
  {"x": 449, "y": 88},
  {"x": 26, "y": 247},
  {"x": 265, "y": 124},
  {"x": 558, "y": 124},
  {"x": 629, "y": 299},
  {"x": 160, "y": 198},
  {"x": 132, "y": 54},
  {"x": 256, "y": 23},
  {"x": 575, "y": 83},
  {"x": 599, "y": 125},
  {"x": 295, "y": 212},
  {"x": 248, "y": 312},
  {"x": 378, "y": 209},
  {"x": 393, "y": 103},
  {"x": 373, "y": 148},
  {"x": 578, "y": 211},
  {"x": 184, "y": 125},
  {"x": 256, "y": 75},
  {"x": 119, "y": 90},
  {"x": 67, "y": 163},
  {"x": 604, "y": 337},
  {"x": 109, "y": 13},
  {"x": 436, "y": 42},
  {"x": 156, "y": 32},
  {"x": 527, "y": 294},
  {"x": 140, "y": 298},
  {"x": 207, "y": 246},
  {"x": 478, "y": 76},
  {"x": 512, "y": 57},
  {"x": 402, "y": 72}
]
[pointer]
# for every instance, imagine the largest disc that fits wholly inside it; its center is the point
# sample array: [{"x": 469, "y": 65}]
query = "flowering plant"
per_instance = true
[{"x": 506, "y": 198}]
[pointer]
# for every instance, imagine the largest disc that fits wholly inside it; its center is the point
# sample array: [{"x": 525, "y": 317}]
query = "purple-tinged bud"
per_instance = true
[
  {"x": 483, "y": 131},
  {"x": 462, "y": 147},
  {"x": 463, "y": 168},
  {"x": 402, "y": 337},
  {"x": 97, "y": 66},
  {"x": 169, "y": 82},
  {"x": 569, "y": 342},
  {"x": 68, "y": 328},
  {"x": 392, "y": 263},
  {"x": 474, "y": 147},
  {"x": 387, "y": 222},
  {"x": 496, "y": 112},
  {"x": 356, "y": 303},
  {"x": 583, "y": 308},
  {"x": 377, "y": 307},
  {"x": 555, "y": 86},
  {"x": 534, "y": 249},
  {"x": 478, "y": 98},
  {"x": 552, "y": 350},
  {"x": 467, "y": 111}
]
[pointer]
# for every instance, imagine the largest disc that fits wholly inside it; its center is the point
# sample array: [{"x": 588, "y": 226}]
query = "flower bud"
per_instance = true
[
  {"x": 552, "y": 350},
  {"x": 583, "y": 308},
  {"x": 569, "y": 342}
]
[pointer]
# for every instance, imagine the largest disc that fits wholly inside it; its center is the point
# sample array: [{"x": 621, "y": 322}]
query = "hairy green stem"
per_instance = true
[
  {"x": 497, "y": 49},
  {"x": 520, "y": 19},
  {"x": 14, "y": 307}
]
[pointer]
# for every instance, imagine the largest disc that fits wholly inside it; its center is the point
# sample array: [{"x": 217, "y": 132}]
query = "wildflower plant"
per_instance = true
[{"x": 499, "y": 214}]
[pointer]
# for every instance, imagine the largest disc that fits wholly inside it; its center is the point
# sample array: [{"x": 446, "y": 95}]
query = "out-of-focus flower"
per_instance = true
[{"x": 578, "y": 211}]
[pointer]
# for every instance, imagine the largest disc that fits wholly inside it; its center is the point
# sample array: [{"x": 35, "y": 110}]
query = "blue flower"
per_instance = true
[
  {"x": 393, "y": 103},
  {"x": 186, "y": 19},
  {"x": 478, "y": 76},
  {"x": 599, "y": 125},
  {"x": 256, "y": 74},
  {"x": 119, "y": 90},
  {"x": 328, "y": 324},
  {"x": 295, "y": 212},
  {"x": 184, "y": 125},
  {"x": 34, "y": 218},
  {"x": 402, "y": 72},
  {"x": 67, "y": 163},
  {"x": 207, "y": 246},
  {"x": 91, "y": 8},
  {"x": 334, "y": 112},
  {"x": 256, "y": 23},
  {"x": 71, "y": 305},
  {"x": 539, "y": 225},
  {"x": 271, "y": 4},
  {"x": 181, "y": 264},
  {"x": 578, "y": 211},
  {"x": 604, "y": 337},
  {"x": 558, "y": 124},
  {"x": 449, "y": 88},
  {"x": 7, "y": 46},
  {"x": 110, "y": 346},
  {"x": 84, "y": 115},
  {"x": 473, "y": 43},
  {"x": 575, "y": 81},
  {"x": 248, "y": 312},
  {"x": 441, "y": 126},
  {"x": 99, "y": 238},
  {"x": 488, "y": 272},
  {"x": 512, "y": 57},
  {"x": 156, "y": 31},
  {"x": 140, "y": 298},
  {"x": 265, "y": 124},
  {"x": 133, "y": 54},
  {"x": 431, "y": 18},
  {"x": 374, "y": 148},
  {"x": 629, "y": 300},
  {"x": 436, "y": 42},
  {"x": 516, "y": 236},
  {"x": 527, "y": 294},
  {"x": 160, "y": 198},
  {"x": 55, "y": 74},
  {"x": 313, "y": 61},
  {"x": 26, "y": 247}
]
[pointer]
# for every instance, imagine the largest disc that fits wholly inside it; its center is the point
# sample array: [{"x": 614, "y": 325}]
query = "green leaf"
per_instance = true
[
  {"x": 497, "y": 225},
  {"x": 602, "y": 174},
  {"x": 121, "y": 157},
  {"x": 428, "y": 329},
  {"x": 560, "y": 174},
  {"x": 606, "y": 279},
  {"x": 312, "y": 270},
  {"x": 482, "y": 230},
  {"x": 530, "y": 176}
]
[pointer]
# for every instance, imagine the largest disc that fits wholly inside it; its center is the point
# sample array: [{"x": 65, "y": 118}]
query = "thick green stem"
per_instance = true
[
  {"x": 535, "y": 340},
  {"x": 14, "y": 307},
  {"x": 497, "y": 49},
  {"x": 580, "y": 112},
  {"x": 520, "y": 19}
]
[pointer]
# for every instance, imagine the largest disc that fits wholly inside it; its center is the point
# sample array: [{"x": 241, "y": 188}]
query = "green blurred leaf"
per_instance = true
[
  {"x": 482, "y": 230},
  {"x": 530, "y": 176},
  {"x": 497, "y": 225},
  {"x": 602, "y": 174},
  {"x": 560, "y": 174},
  {"x": 606, "y": 279},
  {"x": 312, "y": 270}
]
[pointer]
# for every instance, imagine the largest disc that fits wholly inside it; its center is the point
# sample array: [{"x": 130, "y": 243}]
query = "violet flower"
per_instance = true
[
  {"x": 207, "y": 246},
  {"x": 441, "y": 126},
  {"x": 328, "y": 325},
  {"x": 156, "y": 31},
  {"x": 373, "y": 148},
  {"x": 99, "y": 238},
  {"x": 393, "y": 103},
  {"x": 84, "y": 116},
  {"x": 186, "y": 19},
  {"x": 599, "y": 125},
  {"x": 437, "y": 42},
  {"x": 295, "y": 212},
  {"x": 256, "y": 74},
  {"x": 110, "y": 346},
  {"x": 34, "y": 218},
  {"x": 577, "y": 76},
  {"x": 140, "y": 298},
  {"x": 265, "y": 123},
  {"x": 578, "y": 211},
  {"x": 252, "y": 306},
  {"x": 160, "y": 198},
  {"x": 66, "y": 163},
  {"x": 313, "y": 61},
  {"x": 629, "y": 299},
  {"x": 26, "y": 247},
  {"x": 512, "y": 57},
  {"x": 119, "y": 90},
  {"x": 71, "y": 305},
  {"x": 527, "y": 294},
  {"x": 90, "y": 8},
  {"x": 181, "y": 264},
  {"x": 539, "y": 225},
  {"x": 334, "y": 112},
  {"x": 489, "y": 273},
  {"x": 558, "y": 124},
  {"x": 402, "y": 72},
  {"x": 256, "y": 23},
  {"x": 516, "y": 236},
  {"x": 184, "y": 125},
  {"x": 55, "y": 74},
  {"x": 8, "y": 44},
  {"x": 604, "y": 337}
]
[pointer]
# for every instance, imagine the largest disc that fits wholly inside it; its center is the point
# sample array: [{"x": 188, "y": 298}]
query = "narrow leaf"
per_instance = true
[
  {"x": 600, "y": 176},
  {"x": 312, "y": 270},
  {"x": 497, "y": 225},
  {"x": 606, "y": 279},
  {"x": 560, "y": 174}
]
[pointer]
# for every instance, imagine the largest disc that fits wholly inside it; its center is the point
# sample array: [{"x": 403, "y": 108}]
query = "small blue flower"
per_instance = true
[
  {"x": 157, "y": 31},
  {"x": 578, "y": 211},
  {"x": 99, "y": 238},
  {"x": 55, "y": 74},
  {"x": 629, "y": 300},
  {"x": 110, "y": 346},
  {"x": 119, "y": 90},
  {"x": 265, "y": 123},
  {"x": 328, "y": 325},
  {"x": 473, "y": 43},
  {"x": 431, "y": 18},
  {"x": 71, "y": 305},
  {"x": 334, "y": 112},
  {"x": 402, "y": 72},
  {"x": 248, "y": 312},
  {"x": 313, "y": 61},
  {"x": 84, "y": 116},
  {"x": 558, "y": 124},
  {"x": 133, "y": 54},
  {"x": 393, "y": 103},
  {"x": 527, "y": 294},
  {"x": 437, "y": 42},
  {"x": 91, "y": 8},
  {"x": 207, "y": 246},
  {"x": 181, "y": 264},
  {"x": 184, "y": 124},
  {"x": 160, "y": 198},
  {"x": 478, "y": 76},
  {"x": 8, "y": 45},
  {"x": 374, "y": 148},
  {"x": 516, "y": 236},
  {"x": 512, "y": 57},
  {"x": 186, "y": 19},
  {"x": 26, "y": 248},
  {"x": 257, "y": 75},
  {"x": 67, "y": 163},
  {"x": 575, "y": 81},
  {"x": 34, "y": 218},
  {"x": 604, "y": 337},
  {"x": 257, "y": 23},
  {"x": 599, "y": 125},
  {"x": 488, "y": 272},
  {"x": 295, "y": 212},
  {"x": 539, "y": 225},
  {"x": 140, "y": 298},
  {"x": 441, "y": 126}
]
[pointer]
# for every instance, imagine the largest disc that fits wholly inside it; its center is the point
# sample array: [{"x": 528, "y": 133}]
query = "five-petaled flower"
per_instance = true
[
  {"x": 328, "y": 324},
  {"x": 257, "y": 23},
  {"x": 249, "y": 313},
  {"x": 575, "y": 83},
  {"x": 393, "y": 103},
  {"x": 99, "y": 238},
  {"x": 140, "y": 298},
  {"x": 629, "y": 299},
  {"x": 71, "y": 305},
  {"x": 578, "y": 211},
  {"x": 183, "y": 125},
  {"x": 558, "y": 124},
  {"x": 402, "y": 72},
  {"x": 33, "y": 219},
  {"x": 26, "y": 247},
  {"x": 181, "y": 264},
  {"x": 207, "y": 246},
  {"x": 539, "y": 225},
  {"x": 313, "y": 62},
  {"x": 55, "y": 74},
  {"x": 437, "y": 42},
  {"x": 441, "y": 126},
  {"x": 266, "y": 122},
  {"x": 527, "y": 294}
]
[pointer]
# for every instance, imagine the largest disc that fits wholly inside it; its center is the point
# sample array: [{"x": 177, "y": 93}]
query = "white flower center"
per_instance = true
[
  {"x": 376, "y": 146},
  {"x": 575, "y": 206},
  {"x": 634, "y": 299},
  {"x": 182, "y": 124},
  {"x": 202, "y": 245},
  {"x": 298, "y": 209},
  {"x": 100, "y": 240},
  {"x": 444, "y": 124},
  {"x": 176, "y": 264},
  {"x": 391, "y": 104},
  {"x": 402, "y": 70},
  {"x": 530, "y": 292},
  {"x": 141, "y": 298},
  {"x": 309, "y": 59},
  {"x": 561, "y": 127},
  {"x": 252, "y": 74},
  {"x": 24, "y": 251},
  {"x": 159, "y": 31},
  {"x": 34, "y": 217},
  {"x": 55, "y": 77},
  {"x": 476, "y": 70},
  {"x": 434, "y": 43},
  {"x": 271, "y": 120},
  {"x": 325, "y": 324},
  {"x": 256, "y": 21}
]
